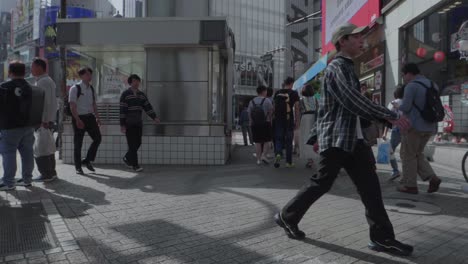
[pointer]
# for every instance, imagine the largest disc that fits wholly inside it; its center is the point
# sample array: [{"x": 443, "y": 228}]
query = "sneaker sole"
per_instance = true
[
  {"x": 390, "y": 249},
  {"x": 283, "y": 225},
  {"x": 24, "y": 185},
  {"x": 8, "y": 189}
]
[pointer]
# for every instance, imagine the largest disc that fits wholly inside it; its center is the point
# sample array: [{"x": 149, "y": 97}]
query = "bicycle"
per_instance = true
[{"x": 465, "y": 166}]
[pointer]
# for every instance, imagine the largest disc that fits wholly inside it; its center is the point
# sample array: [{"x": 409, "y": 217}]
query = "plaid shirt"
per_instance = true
[{"x": 341, "y": 103}]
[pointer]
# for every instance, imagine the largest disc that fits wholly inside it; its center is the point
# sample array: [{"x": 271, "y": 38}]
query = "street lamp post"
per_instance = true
[{"x": 63, "y": 78}]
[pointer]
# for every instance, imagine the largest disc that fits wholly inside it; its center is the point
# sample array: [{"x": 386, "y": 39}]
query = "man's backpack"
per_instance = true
[
  {"x": 66, "y": 103},
  {"x": 433, "y": 110},
  {"x": 282, "y": 107},
  {"x": 257, "y": 113}
]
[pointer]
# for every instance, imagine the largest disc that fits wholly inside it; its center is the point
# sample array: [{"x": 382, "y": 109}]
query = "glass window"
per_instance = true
[{"x": 111, "y": 68}]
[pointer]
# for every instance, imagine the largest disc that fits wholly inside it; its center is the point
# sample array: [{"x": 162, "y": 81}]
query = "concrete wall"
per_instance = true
[{"x": 404, "y": 13}]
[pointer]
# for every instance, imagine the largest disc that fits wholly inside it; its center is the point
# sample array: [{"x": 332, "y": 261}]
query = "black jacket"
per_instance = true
[{"x": 15, "y": 104}]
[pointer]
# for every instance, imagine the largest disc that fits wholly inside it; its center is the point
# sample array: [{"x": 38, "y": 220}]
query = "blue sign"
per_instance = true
[
  {"x": 72, "y": 12},
  {"x": 319, "y": 66}
]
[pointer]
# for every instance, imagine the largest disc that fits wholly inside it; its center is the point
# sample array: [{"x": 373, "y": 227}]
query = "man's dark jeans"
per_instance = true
[
  {"x": 133, "y": 134},
  {"x": 360, "y": 168},
  {"x": 284, "y": 135},
  {"x": 92, "y": 128}
]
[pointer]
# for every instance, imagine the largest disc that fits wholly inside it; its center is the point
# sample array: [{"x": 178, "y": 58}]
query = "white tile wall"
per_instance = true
[{"x": 157, "y": 150}]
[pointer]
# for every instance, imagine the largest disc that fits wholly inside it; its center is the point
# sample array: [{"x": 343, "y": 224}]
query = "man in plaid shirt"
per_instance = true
[{"x": 343, "y": 112}]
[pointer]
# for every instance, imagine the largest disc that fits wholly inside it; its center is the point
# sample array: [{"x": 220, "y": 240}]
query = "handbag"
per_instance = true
[
  {"x": 383, "y": 152},
  {"x": 44, "y": 144}
]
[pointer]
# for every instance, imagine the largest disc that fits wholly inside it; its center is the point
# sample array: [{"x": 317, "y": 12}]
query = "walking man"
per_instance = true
[
  {"x": 85, "y": 118},
  {"x": 415, "y": 139},
  {"x": 286, "y": 120},
  {"x": 132, "y": 102},
  {"x": 245, "y": 125},
  {"x": 260, "y": 111},
  {"x": 16, "y": 131},
  {"x": 45, "y": 164},
  {"x": 342, "y": 108}
]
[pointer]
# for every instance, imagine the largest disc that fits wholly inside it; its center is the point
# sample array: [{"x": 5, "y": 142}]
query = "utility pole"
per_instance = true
[{"x": 63, "y": 78}]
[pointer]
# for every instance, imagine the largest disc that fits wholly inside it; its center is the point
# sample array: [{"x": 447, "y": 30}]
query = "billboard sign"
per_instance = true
[{"x": 337, "y": 12}]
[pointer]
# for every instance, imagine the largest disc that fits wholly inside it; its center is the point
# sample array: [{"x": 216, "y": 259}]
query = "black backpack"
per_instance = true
[
  {"x": 282, "y": 107},
  {"x": 433, "y": 110},
  {"x": 66, "y": 103},
  {"x": 257, "y": 113}
]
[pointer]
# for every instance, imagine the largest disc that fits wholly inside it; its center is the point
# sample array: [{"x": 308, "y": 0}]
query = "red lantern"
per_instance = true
[
  {"x": 439, "y": 56},
  {"x": 421, "y": 52}
]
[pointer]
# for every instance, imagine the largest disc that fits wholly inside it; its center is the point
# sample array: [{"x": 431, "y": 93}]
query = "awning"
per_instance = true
[{"x": 315, "y": 69}]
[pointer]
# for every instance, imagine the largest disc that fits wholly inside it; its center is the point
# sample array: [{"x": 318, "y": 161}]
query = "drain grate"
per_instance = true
[{"x": 25, "y": 228}]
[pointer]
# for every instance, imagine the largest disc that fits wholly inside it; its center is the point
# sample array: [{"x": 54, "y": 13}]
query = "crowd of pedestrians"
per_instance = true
[
  {"x": 343, "y": 115},
  {"x": 348, "y": 123},
  {"x": 28, "y": 114}
]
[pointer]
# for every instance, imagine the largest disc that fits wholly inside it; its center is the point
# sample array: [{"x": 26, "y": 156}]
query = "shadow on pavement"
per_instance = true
[
  {"x": 87, "y": 194},
  {"x": 157, "y": 241},
  {"x": 351, "y": 252},
  {"x": 68, "y": 207}
]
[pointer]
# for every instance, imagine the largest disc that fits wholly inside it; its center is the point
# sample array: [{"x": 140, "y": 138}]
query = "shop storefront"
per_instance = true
[
  {"x": 438, "y": 43},
  {"x": 370, "y": 65}
]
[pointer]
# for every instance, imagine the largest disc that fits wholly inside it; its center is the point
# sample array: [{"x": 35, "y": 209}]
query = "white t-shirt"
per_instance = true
[{"x": 84, "y": 103}]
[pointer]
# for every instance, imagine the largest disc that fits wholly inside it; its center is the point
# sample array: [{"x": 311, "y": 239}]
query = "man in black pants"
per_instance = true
[
  {"x": 85, "y": 118},
  {"x": 343, "y": 112},
  {"x": 132, "y": 102}
]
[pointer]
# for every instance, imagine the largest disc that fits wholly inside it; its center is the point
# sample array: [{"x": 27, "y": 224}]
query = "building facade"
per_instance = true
[
  {"x": 434, "y": 36},
  {"x": 259, "y": 30},
  {"x": 303, "y": 40}
]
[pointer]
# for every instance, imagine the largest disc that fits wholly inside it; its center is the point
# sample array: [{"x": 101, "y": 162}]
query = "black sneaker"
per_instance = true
[
  {"x": 127, "y": 163},
  {"x": 4, "y": 187},
  {"x": 20, "y": 182},
  {"x": 137, "y": 168},
  {"x": 79, "y": 171},
  {"x": 42, "y": 178},
  {"x": 391, "y": 246},
  {"x": 291, "y": 230},
  {"x": 88, "y": 165}
]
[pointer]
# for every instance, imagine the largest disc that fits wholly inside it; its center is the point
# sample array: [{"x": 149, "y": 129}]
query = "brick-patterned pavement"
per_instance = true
[{"x": 223, "y": 214}]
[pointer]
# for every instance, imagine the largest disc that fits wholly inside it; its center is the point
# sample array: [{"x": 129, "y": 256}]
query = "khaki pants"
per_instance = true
[{"x": 413, "y": 160}]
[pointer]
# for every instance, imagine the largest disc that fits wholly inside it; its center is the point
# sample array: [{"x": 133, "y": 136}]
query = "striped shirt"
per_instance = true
[
  {"x": 341, "y": 103},
  {"x": 131, "y": 106}
]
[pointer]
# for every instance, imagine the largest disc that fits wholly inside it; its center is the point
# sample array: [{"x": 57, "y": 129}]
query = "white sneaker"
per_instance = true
[
  {"x": 265, "y": 160},
  {"x": 259, "y": 162}
]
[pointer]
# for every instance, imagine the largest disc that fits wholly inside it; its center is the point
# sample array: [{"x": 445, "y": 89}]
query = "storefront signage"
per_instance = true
[
  {"x": 251, "y": 72},
  {"x": 23, "y": 36},
  {"x": 298, "y": 35},
  {"x": 337, "y": 12},
  {"x": 378, "y": 80},
  {"x": 374, "y": 63},
  {"x": 23, "y": 22}
]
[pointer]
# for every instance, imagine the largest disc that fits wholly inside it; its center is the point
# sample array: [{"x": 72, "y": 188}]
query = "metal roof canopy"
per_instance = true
[{"x": 173, "y": 31}]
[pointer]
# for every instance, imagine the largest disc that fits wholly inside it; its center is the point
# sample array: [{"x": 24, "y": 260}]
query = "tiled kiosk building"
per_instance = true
[{"x": 186, "y": 74}]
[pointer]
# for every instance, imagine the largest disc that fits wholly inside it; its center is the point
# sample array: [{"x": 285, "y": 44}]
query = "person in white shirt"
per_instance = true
[
  {"x": 85, "y": 118},
  {"x": 45, "y": 164}
]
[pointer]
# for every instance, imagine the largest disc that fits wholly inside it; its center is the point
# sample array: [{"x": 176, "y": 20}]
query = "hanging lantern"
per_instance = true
[
  {"x": 421, "y": 52},
  {"x": 439, "y": 56}
]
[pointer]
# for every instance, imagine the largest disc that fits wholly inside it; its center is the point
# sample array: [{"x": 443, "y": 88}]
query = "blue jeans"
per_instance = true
[
  {"x": 396, "y": 138},
  {"x": 21, "y": 139},
  {"x": 284, "y": 134}
]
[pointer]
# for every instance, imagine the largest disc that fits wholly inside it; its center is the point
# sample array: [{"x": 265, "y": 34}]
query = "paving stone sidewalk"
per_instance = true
[{"x": 198, "y": 214}]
